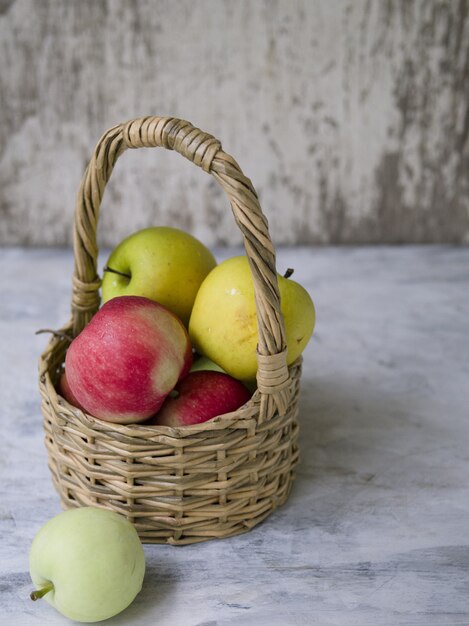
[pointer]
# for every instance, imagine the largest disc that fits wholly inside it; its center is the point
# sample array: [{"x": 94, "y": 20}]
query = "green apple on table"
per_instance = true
[
  {"x": 223, "y": 323},
  {"x": 161, "y": 263},
  {"x": 88, "y": 563}
]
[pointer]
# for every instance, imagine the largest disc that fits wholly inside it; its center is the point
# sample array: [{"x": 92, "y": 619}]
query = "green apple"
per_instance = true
[
  {"x": 88, "y": 563},
  {"x": 204, "y": 364},
  {"x": 223, "y": 324},
  {"x": 161, "y": 263}
]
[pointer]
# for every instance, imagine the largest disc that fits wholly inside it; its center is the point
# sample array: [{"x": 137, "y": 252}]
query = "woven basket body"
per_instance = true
[{"x": 188, "y": 484}]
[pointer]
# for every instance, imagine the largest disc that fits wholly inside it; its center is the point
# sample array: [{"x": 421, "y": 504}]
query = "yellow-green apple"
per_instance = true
[
  {"x": 88, "y": 563},
  {"x": 199, "y": 397},
  {"x": 161, "y": 263},
  {"x": 124, "y": 363},
  {"x": 203, "y": 364},
  {"x": 223, "y": 324}
]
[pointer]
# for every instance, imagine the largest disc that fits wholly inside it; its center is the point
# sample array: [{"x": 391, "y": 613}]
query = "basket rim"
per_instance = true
[{"x": 140, "y": 429}]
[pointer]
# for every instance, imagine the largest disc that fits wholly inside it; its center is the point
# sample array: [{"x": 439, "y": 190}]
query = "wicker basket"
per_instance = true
[{"x": 176, "y": 485}]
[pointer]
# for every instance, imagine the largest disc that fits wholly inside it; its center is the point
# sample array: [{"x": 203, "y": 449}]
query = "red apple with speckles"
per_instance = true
[
  {"x": 64, "y": 390},
  {"x": 129, "y": 357},
  {"x": 200, "y": 396}
]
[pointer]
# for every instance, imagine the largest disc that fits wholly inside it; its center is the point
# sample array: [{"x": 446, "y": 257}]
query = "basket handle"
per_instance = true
[{"x": 206, "y": 152}]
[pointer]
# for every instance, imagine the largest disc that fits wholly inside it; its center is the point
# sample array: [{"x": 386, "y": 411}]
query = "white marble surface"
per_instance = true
[{"x": 376, "y": 531}]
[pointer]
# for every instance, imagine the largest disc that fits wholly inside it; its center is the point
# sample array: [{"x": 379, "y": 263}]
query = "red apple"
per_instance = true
[
  {"x": 64, "y": 390},
  {"x": 124, "y": 363},
  {"x": 199, "y": 397}
]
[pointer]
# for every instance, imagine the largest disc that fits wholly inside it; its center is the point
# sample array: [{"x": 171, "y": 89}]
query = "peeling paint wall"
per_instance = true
[{"x": 350, "y": 117}]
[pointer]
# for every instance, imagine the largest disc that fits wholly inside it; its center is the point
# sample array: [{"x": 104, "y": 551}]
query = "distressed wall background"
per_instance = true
[{"x": 351, "y": 117}]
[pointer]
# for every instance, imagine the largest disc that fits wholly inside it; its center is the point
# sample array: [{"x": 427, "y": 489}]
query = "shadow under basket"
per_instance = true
[{"x": 194, "y": 483}]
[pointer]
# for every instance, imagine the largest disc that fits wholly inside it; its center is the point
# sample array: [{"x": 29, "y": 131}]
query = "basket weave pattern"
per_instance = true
[{"x": 176, "y": 485}]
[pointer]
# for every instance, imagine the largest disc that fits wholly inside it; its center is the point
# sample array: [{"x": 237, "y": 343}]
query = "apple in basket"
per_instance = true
[
  {"x": 223, "y": 323},
  {"x": 164, "y": 264},
  {"x": 200, "y": 396},
  {"x": 202, "y": 363},
  {"x": 64, "y": 389},
  {"x": 128, "y": 358}
]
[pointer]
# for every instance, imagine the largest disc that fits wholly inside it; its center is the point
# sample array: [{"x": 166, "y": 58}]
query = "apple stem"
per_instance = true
[
  {"x": 56, "y": 333},
  {"x": 38, "y": 593},
  {"x": 288, "y": 273},
  {"x": 111, "y": 269}
]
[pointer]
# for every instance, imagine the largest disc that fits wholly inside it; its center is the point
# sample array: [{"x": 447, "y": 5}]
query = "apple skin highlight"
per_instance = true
[
  {"x": 201, "y": 396},
  {"x": 125, "y": 362}
]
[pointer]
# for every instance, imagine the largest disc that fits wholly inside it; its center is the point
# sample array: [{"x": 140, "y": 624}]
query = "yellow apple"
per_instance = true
[
  {"x": 161, "y": 263},
  {"x": 223, "y": 323}
]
